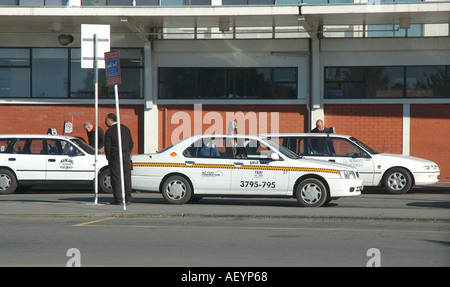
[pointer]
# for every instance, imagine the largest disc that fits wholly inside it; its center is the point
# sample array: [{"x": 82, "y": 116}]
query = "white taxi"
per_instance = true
[
  {"x": 396, "y": 173},
  {"x": 33, "y": 160},
  {"x": 240, "y": 165}
]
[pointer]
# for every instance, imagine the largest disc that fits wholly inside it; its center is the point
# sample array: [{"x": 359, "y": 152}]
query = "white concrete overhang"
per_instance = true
[
  {"x": 39, "y": 19},
  {"x": 313, "y": 17},
  {"x": 144, "y": 20}
]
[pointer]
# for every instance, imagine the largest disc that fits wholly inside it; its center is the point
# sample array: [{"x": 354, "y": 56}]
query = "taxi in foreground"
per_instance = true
[
  {"x": 33, "y": 160},
  {"x": 240, "y": 165},
  {"x": 396, "y": 173}
]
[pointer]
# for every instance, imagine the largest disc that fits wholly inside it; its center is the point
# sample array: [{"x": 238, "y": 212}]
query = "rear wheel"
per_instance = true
[
  {"x": 104, "y": 181},
  {"x": 176, "y": 190},
  {"x": 8, "y": 182},
  {"x": 311, "y": 193}
]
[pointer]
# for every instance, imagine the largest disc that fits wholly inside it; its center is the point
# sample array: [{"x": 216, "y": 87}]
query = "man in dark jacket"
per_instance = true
[
  {"x": 90, "y": 129},
  {"x": 112, "y": 155}
]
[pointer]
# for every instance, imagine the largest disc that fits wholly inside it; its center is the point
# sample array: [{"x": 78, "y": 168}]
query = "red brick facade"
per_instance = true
[
  {"x": 37, "y": 119},
  {"x": 379, "y": 126},
  {"x": 430, "y": 135},
  {"x": 292, "y": 118}
]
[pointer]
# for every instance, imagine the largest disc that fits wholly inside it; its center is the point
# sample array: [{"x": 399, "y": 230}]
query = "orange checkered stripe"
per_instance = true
[{"x": 228, "y": 166}]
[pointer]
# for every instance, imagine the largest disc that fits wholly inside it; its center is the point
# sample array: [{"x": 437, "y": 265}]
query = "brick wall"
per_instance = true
[
  {"x": 37, "y": 119},
  {"x": 381, "y": 127},
  {"x": 179, "y": 121},
  {"x": 378, "y": 126},
  {"x": 430, "y": 135}
]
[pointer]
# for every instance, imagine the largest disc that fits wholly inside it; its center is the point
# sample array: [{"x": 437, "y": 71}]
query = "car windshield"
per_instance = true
[
  {"x": 171, "y": 146},
  {"x": 287, "y": 152},
  {"x": 87, "y": 148},
  {"x": 364, "y": 146}
]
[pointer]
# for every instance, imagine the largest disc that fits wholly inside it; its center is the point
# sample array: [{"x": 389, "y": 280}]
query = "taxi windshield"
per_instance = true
[
  {"x": 84, "y": 146},
  {"x": 285, "y": 151}
]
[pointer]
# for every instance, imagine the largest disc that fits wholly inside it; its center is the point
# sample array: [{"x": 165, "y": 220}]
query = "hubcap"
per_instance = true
[
  {"x": 107, "y": 182},
  {"x": 5, "y": 182},
  {"x": 176, "y": 190},
  {"x": 311, "y": 193},
  {"x": 397, "y": 181}
]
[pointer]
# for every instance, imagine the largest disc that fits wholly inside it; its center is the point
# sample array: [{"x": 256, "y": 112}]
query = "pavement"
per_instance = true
[{"x": 431, "y": 204}]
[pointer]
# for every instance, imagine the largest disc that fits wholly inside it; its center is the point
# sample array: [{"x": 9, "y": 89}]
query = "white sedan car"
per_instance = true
[
  {"x": 33, "y": 160},
  {"x": 238, "y": 165},
  {"x": 396, "y": 173}
]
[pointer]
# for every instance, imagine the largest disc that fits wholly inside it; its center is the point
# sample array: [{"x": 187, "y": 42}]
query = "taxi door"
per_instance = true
[
  {"x": 256, "y": 171},
  {"x": 343, "y": 151},
  {"x": 28, "y": 159},
  {"x": 65, "y": 161},
  {"x": 207, "y": 164}
]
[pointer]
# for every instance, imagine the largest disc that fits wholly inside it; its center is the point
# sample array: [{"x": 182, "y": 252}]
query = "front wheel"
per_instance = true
[
  {"x": 397, "y": 181},
  {"x": 311, "y": 193},
  {"x": 176, "y": 190}
]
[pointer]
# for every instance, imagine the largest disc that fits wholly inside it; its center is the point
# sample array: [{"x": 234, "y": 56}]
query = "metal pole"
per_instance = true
[
  {"x": 96, "y": 117},
  {"x": 119, "y": 134}
]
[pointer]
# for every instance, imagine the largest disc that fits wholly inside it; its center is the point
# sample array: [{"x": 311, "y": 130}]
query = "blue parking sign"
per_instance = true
[{"x": 112, "y": 68}]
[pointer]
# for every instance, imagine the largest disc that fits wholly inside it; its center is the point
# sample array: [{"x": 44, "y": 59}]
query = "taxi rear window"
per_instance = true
[{"x": 6, "y": 144}]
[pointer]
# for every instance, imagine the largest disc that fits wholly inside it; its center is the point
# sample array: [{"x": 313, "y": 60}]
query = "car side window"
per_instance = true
[
  {"x": 207, "y": 148},
  {"x": 29, "y": 146},
  {"x": 256, "y": 149},
  {"x": 298, "y": 145},
  {"x": 314, "y": 146},
  {"x": 5, "y": 145},
  {"x": 62, "y": 147},
  {"x": 342, "y": 148}
]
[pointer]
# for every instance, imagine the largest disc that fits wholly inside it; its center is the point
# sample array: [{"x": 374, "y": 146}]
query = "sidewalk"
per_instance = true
[{"x": 419, "y": 205}]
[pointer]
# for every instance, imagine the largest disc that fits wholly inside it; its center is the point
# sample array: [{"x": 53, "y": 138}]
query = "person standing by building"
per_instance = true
[
  {"x": 112, "y": 155},
  {"x": 90, "y": 130},
  {"x": 320, "y": 128}
]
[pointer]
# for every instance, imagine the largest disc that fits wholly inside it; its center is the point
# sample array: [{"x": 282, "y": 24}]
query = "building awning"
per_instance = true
[
  {"x": 146, "y": 21},
  {"x": 313, "y": 17}
]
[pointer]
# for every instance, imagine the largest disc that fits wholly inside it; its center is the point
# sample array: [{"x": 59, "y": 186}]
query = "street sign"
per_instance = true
[
  {"x": 87, "y": 45},
  {"x": 112, "y": 62}
]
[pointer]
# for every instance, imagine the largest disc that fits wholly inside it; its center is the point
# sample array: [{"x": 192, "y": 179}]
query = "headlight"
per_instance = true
[
  {"x": 430, "y": 167},
  {"x": 347, "y": 174}
]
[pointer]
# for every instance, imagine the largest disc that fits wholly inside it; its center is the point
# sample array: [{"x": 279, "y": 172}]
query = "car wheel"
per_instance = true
[
  {"x": 104, "y": 181},
  {"x": 397, "y": 181},
  {"x": 176, "y": 190},
  {"x": 311, "y": 193},
  {"x": 8, "y": 182}
]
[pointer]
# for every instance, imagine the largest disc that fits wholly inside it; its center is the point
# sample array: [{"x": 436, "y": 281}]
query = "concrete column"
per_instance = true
[
  {"x": 317, "y": 109},
  {"x": 406, "y": 128},
  {"x": 150, "y": 109}
]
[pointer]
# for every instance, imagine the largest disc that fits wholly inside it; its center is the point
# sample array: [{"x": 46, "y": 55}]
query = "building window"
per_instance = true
[
  {"x": 387, "y": 82},
  {"x": 57, "y": 73},
  {"x": 131, "y": 69},
  {"x": 50, "y": 77},
  {"x": 231, "y": 83},
  {"x": 15, "y": 73}
]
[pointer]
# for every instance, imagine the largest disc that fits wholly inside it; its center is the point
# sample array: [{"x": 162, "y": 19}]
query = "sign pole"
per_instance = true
[
  {"x": 94, "y": 38},
  {"x": 122, "y": 182},
  {"x": 113, "y": 78},
  {"x": 96, "y": 117}
]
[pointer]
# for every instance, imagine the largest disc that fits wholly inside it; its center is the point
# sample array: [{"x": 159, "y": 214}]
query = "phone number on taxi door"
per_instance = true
[{"x": 257, "y": 184}]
